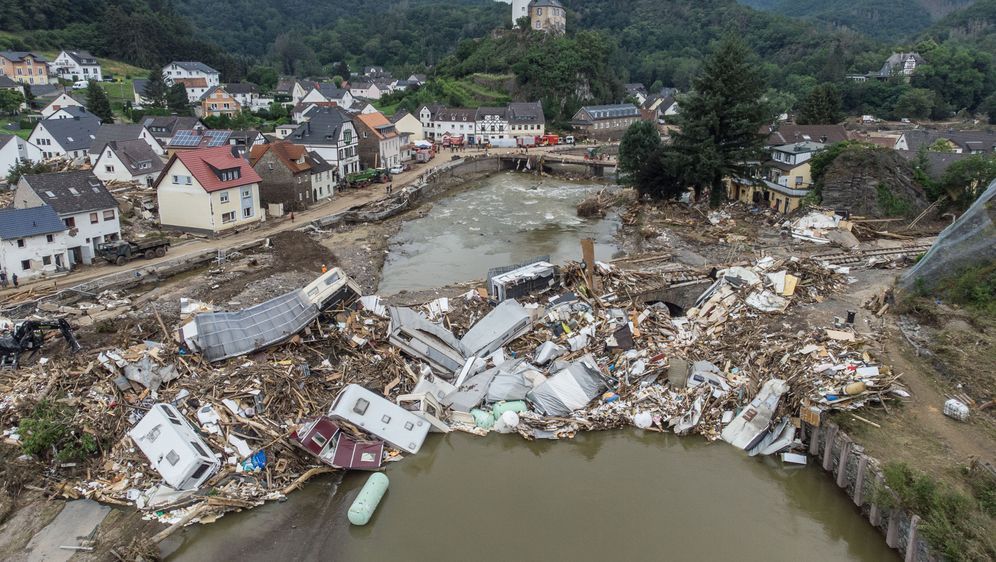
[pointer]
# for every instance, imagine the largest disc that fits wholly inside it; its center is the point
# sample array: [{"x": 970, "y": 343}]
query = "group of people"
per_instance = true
[{"x": 3, "y": 279}]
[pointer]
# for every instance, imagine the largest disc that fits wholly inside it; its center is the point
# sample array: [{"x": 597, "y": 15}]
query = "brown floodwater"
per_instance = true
[{"x": 621, "y": 495}]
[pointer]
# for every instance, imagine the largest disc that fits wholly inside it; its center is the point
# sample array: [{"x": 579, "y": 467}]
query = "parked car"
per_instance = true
[
  {"x": 80, "y": 85},
  {"x": 397, "y": 170}
]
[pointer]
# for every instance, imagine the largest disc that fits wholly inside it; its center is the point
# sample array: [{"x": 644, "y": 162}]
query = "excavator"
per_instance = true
[{"x": 29, "y": 335}]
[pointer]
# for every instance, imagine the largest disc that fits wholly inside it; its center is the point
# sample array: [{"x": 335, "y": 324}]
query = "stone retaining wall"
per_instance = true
[{"x": 859, "y": 475}]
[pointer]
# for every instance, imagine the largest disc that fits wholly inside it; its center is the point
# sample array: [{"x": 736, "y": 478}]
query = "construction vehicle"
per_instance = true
[
  {"x": 368, "y": 176},
  {"x": 29, "y": 336},
  {"x": 121, "y": 251}
]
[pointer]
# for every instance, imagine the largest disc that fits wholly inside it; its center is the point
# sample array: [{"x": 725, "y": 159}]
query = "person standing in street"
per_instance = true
[
  {"x": 13, "y": 279},
  {"x": 3, "y": 279}
]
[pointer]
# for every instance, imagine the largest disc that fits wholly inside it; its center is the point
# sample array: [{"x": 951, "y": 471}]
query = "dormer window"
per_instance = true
[{"x": 229, "y": 175}]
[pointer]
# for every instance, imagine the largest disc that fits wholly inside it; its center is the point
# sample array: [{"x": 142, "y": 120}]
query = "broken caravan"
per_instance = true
[
  {"x": 175, "y": 450},
  {"x": 223, "y": 335},
  {"x": 380, "y": 417},
  {"x": 324, "y": 439}
]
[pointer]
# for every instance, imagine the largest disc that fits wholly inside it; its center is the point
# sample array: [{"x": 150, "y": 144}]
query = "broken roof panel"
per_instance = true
[
  {"x": 424, "y": 340},
  {"x": 506, "y": 322},
  {"x": 569, "y": 389},
  {"x": 221, "y": 335}
]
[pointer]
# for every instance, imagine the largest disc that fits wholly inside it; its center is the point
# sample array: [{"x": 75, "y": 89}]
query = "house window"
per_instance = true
[
  {"x": 93, "y": 218},
  {"x": 20, "y": 242},
  {"x": 70, "y": 222},
  {"x": 228, "y": 217},
  {"x": 49, "y": 238},
  {"x": 247, "y": 212},
  {"x": 109, "y": 215},
  {"x": 109, "y": 169},
  {"x": 224, "y": 197},
  {"x": 25, "y": 265},
  {"x": 47, "y": 260},
  {"x": 798, "y": 180},
  {"x": 246, "y": 193}
]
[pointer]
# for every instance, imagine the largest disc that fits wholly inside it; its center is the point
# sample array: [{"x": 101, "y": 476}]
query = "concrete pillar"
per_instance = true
[
  {"x": 859, "y": 483},
  {"x": 814, "y": 440},
  {"x": 892, "y": 535},
  {"x": 875, "y": 513},
  {"x": 911, "y": 539},
  {"x": 845, "y": 450},
  {"x": 828, "y": 447}
]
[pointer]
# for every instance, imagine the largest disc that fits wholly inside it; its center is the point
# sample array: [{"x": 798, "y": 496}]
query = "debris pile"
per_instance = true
[{"x": 230, "y": 409}]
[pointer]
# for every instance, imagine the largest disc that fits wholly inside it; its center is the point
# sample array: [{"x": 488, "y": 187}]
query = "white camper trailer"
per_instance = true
[
  {"x": 380, "y": 417},
  {"x": 174, "y": 448}
]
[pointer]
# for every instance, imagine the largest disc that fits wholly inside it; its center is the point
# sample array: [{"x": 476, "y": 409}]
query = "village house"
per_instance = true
[
  {"x": 68, "y": 139},
  {"x": 548, "y": 16},
  {"x": 449, "y": 122},
  {"x": 605, "y": 121},
  {"x": 367, "y": 89},
  {"x": 405, "y": 122},
  {"x": 784, "y": 180},
  {"x": 164, "y": 127},
  {"x": 127, "y": 161},
  {"x": 526, "y": 119},
  {"x": 300, "y": 112},
  {"x": 291, "y": 176},
  {"x": 380, "y": 143},
  {"x": 32, "y": 242},
  {"x": 138, "y": 99},
  {"x": 290, "y": 90},
  {"x": 245, "y": 139},
  {"x": 958, "y": 142},
  {"x": 330, "y": 132},
  {"x": 77, "y": 65},
  {"x": 659, "y": 109},
  {"x": 217, "y": 102},
  {"x": 209, "y": 191},
  {"x": 637, "y": 91},
  {"x": 196, "y": 138},
  {"x": 327, "y": 92},
  {"x": 122, "y": 132},
  {"x": 490, "y": 124},
  {"x": 71, "y": 112},
  {"x": 417, "y": 79},
  {"x": 788, "y": 133},
  {"x": 182, "y": 70},
  {"x": 24, "y": 67},
  {"x": 283, "y": 131},
  {"x": 62, "y": 101},
  {"x": 84, "y": 205},
  {"x": 196, "y": 88},
  {"x": 246, "y": 94},
  {"x": 900, "y": 64},
  {"x": 13, "y": 150}
]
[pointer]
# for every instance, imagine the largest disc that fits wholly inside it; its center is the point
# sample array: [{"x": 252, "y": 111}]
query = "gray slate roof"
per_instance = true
[
  {"x": 195, "y": 66},
  {"x": 966, "y": 140},
  {"x": 35, "y": 221},
  {"x": 72, "y": 134},
  {"x": 17, "y": 56},
  {"x": 114, "y": 132},
  {"x": 241, "y": 88},
  {"x": 77, "y": 111},
  {"x": 6, "y": 82},
  {"x": 520, "y": 113},
  {"x": 596, "y": 112},
  {"x": 324, "y": 127},
  {"x": 135, "y": 154},
  {"x": 164, "y": 126},
  {"x": 71, "y": 192},
  {"x": 82, "y": 58}
]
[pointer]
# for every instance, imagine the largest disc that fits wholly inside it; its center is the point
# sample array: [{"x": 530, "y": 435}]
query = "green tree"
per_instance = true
[
  {"x": 915, "y": 102},
  {"x": 662, "y": 176},
  {"x": 988, "y": 107},
  {"x": 341, "y": 69},
  {"x": 177, "y": 100},
  {"x": 961, "y": 77},
  {"x": 98, "y": 103},
  {"x": 10, "y": 101},
  {"x": 721, "y": 119},
  {"x": 640, "y": 141},
  {"x": 26, "y": 168},
  {"x": 966, "y": 179},
  {"x": 821, "y": 106},
  {"x": 155, "y": 90},
  {"x": 265, "y": 76}
]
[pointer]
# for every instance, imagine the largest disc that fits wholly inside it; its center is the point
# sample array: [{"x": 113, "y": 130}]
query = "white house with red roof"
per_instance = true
[{"x": 208, "y": 190}]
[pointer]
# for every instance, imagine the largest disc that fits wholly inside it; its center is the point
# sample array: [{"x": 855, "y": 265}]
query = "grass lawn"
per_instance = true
[{"x": 23, "y": 133}]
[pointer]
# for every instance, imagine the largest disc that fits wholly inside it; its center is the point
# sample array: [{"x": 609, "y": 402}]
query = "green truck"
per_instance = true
[
  {"x": 122, "y": 251},
  {"x": 368, "y": 176}
]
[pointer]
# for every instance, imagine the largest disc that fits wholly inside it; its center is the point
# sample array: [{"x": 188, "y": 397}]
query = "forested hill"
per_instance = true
[
  {"x": 892, "y": 20},
  {"x": 975, "y": 26},
  {"x": 144, "y": 33}
]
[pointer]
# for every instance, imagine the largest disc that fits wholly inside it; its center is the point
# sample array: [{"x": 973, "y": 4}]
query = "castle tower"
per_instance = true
[{"x": 520, "y": 9}]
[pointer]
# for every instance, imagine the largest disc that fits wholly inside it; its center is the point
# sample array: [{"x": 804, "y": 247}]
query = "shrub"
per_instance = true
[{"x": 49, "y": 432}]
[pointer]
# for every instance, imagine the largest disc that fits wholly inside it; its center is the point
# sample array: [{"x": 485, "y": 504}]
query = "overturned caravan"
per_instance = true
[{"x": 223, "y": 335}]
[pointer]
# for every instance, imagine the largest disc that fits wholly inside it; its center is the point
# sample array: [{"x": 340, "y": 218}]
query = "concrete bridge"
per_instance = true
[{"x": 558, "y": 163}]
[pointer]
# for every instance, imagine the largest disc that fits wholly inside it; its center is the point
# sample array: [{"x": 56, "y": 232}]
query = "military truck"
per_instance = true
[{"x": 122, "y": 251}]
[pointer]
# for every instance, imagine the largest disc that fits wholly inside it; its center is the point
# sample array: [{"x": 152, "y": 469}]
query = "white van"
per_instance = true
[{"x": 80, "y": 85}]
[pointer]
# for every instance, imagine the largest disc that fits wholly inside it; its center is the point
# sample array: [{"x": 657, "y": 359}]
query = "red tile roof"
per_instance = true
[
  {"x": 205, "y": 163},
  {"x": 192, "y": 82},
  {"x": 288, "y": 153}
]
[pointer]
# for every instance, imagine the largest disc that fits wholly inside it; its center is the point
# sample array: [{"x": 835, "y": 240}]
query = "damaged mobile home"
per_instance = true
[
  {"x": 223, "y": 335},
  {"x": 175, "y": 450}
]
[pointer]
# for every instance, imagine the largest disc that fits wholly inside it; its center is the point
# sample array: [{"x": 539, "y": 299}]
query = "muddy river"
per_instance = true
[
  {"x": 623, "y": 495},
  {"x": 500, "y": 220}
]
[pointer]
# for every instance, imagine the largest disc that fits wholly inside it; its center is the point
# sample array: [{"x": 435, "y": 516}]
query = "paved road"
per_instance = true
[{"x": 340, "y": 202}]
